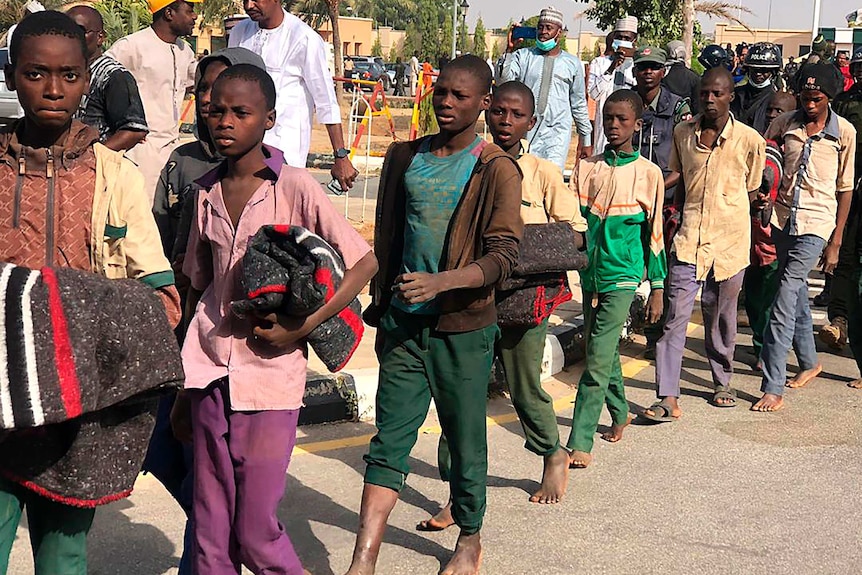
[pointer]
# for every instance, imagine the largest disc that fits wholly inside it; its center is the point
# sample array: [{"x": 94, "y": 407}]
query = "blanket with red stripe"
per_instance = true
[
  {"x": 81, "y": 356},
  {"x": 292, "y": 271}
]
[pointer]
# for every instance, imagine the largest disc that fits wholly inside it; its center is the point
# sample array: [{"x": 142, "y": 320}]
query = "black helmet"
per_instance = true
[
  {"x": 713, "y": 56},
  {"x": 764, "y": 55},
  {"x": 857, "y": 56}
]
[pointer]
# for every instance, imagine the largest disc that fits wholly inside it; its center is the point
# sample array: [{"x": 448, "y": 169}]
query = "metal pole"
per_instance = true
[
  {"x": 454, "y": 26},
  {"x": 769, "y": 21},
  {"x": 816, "y": 25}
]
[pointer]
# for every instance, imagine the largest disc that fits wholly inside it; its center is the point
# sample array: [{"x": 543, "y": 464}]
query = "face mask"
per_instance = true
[
  {"x": 546, "y": 45},
  {"x": 617, "y": 44},
  {"x": 763, "y": 84}
]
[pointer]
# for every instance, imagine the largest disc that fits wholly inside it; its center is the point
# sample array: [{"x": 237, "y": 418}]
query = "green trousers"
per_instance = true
[
  {"x": 602, "y": 381},
  {"x": 58, "y": 533},
  {"x": 761, "y": 286},
  {"x": 521, "y": 351},
  {"x": 418, "y": 363}
]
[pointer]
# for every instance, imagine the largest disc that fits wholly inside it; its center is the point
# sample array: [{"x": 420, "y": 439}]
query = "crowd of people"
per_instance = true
[{"x": 739, "y": 181}]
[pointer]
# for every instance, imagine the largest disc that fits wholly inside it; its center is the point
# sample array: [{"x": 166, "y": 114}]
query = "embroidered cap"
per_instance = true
[
  {"x": 551, "y": 15},
  {"x": 627, "y": 24}
]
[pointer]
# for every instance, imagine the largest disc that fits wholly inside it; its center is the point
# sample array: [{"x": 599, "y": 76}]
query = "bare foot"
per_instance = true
[
  {"x": 467, "y": 558},
  {"x": 855, "y": 384},
  {"x": 803, "y": 378},
  {"x": 580, "y": 460},
  {"x": 438, "y": 522},
  {"x": 769, "y": 402},
  {"x": 555, "y": 478},
  {"x": 616, "y": 432}
]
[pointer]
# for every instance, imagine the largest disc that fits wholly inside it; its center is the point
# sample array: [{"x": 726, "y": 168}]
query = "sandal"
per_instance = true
[
  {"x": 662, "y": 413},
  {"x": 724, "y": 392}
]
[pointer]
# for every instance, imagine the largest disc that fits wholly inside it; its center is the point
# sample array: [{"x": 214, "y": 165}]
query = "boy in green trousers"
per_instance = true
[
  {"x": 620, "y": 195},
  {"x": 447, "y": 231}
]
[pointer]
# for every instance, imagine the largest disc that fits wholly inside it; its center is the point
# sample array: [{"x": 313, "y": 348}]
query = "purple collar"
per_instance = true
[{"x": 273, "y": 158}]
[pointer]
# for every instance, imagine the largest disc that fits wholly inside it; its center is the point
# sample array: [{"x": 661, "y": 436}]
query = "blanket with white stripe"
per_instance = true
[{"x": 293, "y": 271}]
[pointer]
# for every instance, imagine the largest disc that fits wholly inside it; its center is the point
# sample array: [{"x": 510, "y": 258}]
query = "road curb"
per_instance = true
[{"x": 343, "y": 396}]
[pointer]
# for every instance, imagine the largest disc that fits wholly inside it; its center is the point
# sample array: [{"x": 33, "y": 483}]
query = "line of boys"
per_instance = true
[{"x": 433, "y": 298}]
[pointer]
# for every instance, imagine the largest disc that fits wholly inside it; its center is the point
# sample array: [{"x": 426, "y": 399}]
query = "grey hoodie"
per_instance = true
[{"x": 188, "y": 163}]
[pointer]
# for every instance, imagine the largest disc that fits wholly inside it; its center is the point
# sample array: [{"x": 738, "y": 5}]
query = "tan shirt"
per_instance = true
[
  {"x": 816, "y": 169},
  {"x": 545, "y": 197},
  {"x": 716, "y": 228},
  {"x": 162, "y": 71}
]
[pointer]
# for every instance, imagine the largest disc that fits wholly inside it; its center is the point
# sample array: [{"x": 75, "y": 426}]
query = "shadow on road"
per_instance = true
[{"x": 116, "y": 542}]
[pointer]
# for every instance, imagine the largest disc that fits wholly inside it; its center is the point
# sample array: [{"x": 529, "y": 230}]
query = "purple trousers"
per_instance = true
[
  {"x": 240, "y": 470},
  {"x": 718, "y": 303}
]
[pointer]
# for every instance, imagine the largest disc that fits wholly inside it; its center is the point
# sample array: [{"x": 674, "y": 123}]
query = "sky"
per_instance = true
[{"x": 787, "y": 14}]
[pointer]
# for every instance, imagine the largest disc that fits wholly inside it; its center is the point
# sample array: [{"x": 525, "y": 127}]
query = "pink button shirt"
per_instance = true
[{"x": 218, "y": 343}]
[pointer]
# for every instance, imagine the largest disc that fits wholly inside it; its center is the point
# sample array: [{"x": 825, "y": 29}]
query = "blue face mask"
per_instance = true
[{"x": 546, "y": 45}]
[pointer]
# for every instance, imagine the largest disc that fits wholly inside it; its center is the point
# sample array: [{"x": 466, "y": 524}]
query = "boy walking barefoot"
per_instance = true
[
  {"x": 68, "y": 201},
  {"x": 621, "y": 196},
  {"x": 448, "y": 227},
  {"x": 544, "y": 198},
  {"x": 720, "y": 161},
  {"x": 808, "y": 222},
  {"x": 245, "y": 377}
]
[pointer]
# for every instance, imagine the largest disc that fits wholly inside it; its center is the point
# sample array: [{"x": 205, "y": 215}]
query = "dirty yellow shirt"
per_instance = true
[
  {"x": 816, "y": 169},
  {"x": 544, "y": 195},
  {"x": 716, "y": 227}
]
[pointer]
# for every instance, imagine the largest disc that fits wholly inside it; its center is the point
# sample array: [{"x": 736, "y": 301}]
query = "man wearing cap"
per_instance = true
[
  {"x": 611, "y": 73},
  {"x": 679, "y": 78},
  {"x": 295, "y": 57},
  {"x": 663, "y": 110},
  {"x": 163, "y": 66},
  {"x": 808, "y": 220},
  {"x": 113, "y": 105},
  {"x": 556, "y": 78}
]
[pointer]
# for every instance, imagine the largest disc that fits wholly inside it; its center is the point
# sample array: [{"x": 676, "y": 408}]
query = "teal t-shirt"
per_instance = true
[{"x": 434, "y": 187}]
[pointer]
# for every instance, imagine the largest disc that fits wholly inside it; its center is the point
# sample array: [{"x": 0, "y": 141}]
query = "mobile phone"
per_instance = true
[
  {"x": 524, "y": 32},
  {"x": 335, "y": 187}
]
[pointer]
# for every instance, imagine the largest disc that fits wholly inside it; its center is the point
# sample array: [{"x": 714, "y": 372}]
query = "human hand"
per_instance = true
[
  {"x": 655, "y": 306},
  {"x": 829, "y": 259},
  {"x": 419, "y": 287},
  {"x": 510, "y": 43},
  {"x": 584, "y": 151},
  {"x": 344, "y": 172},
  {"x": 283, "y": 330},
  {"x": 181, "y": 418}
]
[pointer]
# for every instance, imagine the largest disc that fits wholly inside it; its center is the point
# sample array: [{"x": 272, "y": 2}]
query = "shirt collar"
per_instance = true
[
  {"x": 830, "y": 130},
  {"x": 725, "y": 134},
  {"x": 273, "y": 158}
]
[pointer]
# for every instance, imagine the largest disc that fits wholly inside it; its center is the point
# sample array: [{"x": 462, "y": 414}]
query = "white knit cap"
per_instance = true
[
  {"x": 551, "y": 15},
  {"x": 627, "y": 24}
]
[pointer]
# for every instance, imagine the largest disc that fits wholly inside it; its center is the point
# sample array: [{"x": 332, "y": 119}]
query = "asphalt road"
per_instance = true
[{"x": 722, "y": 491}]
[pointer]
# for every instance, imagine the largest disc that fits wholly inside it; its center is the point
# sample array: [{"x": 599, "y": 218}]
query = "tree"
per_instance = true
[
  {"x": 393, "y": 53},
  {"x": 11, "y": 12},
  {"x": 123, "y": 17},
  {"x": 412, "y": 41},
  {"x": 497, "y": 50},
  {"x": 376, "y": 48},
  {"x": 315, "y": 13},
  {"x": 464, "y": 44},
  {"x": 444, "y": 46},
  {"x": 660, "y": 21},
  {"x": 479, "y": 46}
]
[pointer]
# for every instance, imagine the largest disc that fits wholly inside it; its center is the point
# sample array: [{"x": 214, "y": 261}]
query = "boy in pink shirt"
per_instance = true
[{"x": 245, "y": 378}]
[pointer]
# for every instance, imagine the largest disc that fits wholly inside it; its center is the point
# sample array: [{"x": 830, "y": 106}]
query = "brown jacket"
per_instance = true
[{"x": 485, "y": 229}]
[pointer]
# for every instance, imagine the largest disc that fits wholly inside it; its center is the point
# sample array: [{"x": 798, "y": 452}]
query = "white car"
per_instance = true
[{"x": 10, "y": 109}]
